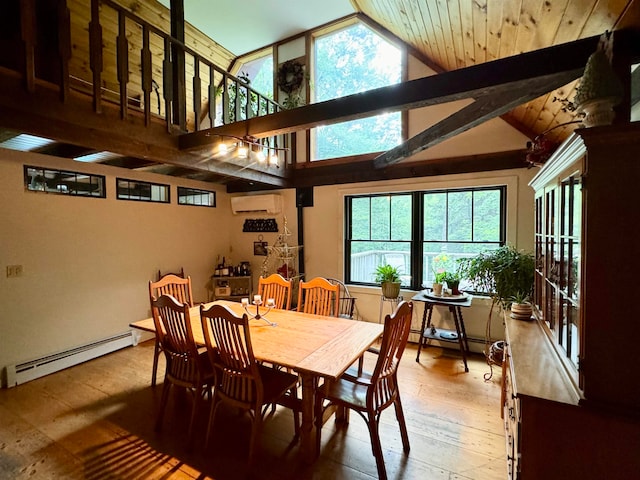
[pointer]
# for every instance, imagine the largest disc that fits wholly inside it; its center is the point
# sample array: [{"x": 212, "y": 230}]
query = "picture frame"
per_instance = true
[{"x": 260, "y": 248}]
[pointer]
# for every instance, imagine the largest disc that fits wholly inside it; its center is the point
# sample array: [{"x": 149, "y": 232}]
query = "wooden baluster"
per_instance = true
[
  {"x": 123, "y": 63},
  {"x": 147, "y": 74},
  {"x": 197, "y": 95},
  {"x": 28, "y": 31},
  {"x": 64, "y": 47},
  {"x": 225, "y": 100},
  {"x": 237, "y": 106},
  {"x": 95, "y": 52},
  {"x": 212, "y": 96},
  {"x": 167, "y": 87}
]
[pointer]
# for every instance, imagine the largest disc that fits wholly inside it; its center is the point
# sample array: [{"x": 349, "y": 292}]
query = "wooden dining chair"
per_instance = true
[
  {"x": 241, "y": 381},
  {"x": 186, "y": 366},
  {"x": 319, "y": 297},
  {"x": 180, "y": 289},
  {"x": 369, "y": 394},
  {"x": 347, "y": 303},
  {"x": 179, "y": 273},
  {"x": 277, "y": 287}
]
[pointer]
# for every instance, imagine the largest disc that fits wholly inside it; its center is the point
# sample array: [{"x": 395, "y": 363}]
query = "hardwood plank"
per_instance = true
[{"x": 95, "y": 421}]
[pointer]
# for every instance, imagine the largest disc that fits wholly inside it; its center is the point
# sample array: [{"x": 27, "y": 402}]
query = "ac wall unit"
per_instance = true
[{"x": 270, "y": 204}]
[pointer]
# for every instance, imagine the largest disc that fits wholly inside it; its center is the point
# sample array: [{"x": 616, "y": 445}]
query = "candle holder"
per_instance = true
[{"x": 257, "y": 301}]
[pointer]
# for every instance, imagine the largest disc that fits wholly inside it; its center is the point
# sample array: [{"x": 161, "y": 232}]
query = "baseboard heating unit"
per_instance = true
[{"x": 32, "y": 369}]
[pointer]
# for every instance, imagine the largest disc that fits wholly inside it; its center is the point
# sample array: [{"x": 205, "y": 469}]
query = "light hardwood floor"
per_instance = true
[{"x": 95, "y": 421}]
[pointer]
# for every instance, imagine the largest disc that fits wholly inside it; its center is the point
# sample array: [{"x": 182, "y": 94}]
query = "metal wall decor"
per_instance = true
[{"x": 260, "y": 225}]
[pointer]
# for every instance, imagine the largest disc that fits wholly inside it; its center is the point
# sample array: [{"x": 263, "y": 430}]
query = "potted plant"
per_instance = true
[
  {"x": 506, "y": 274},
  {"x": 452, "y": 279},
  {"x": 521, "y": 308},
  {"x": 389, "y": 279}
]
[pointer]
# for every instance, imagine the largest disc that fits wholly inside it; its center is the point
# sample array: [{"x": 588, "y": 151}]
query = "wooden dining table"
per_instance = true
[{"x": 314, "y": 346}]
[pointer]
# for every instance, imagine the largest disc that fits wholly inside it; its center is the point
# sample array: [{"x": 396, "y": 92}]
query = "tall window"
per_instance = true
[
  {"x": 420, "y": 232},
  {"x": 348, "y": 61},
  {"x": 259, "y": 72}
]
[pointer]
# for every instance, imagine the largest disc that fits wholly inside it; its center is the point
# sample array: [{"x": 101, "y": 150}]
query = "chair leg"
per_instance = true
[
  {"x": 156, "y": 354},
  {"x": 403, "y": 426},
  {"x": 212, "y": 413},
  {"x": 163, "y": 403},
  {"x": 372, "y": 423},
  {"x": 256, "y": 427},
  {"x": 194, "y": 410}
]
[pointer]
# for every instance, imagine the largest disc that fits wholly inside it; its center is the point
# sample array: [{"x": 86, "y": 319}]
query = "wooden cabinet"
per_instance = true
[{"x": 571, "y": 398}]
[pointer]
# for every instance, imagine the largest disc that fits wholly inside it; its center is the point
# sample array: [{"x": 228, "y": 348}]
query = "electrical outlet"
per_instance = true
[{"x": 14, "y": 271}]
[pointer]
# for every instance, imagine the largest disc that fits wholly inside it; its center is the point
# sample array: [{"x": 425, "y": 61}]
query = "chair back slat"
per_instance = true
[
  {"x": 277, "y": 287},
  {"x": 397, "y": 327},
  {"x": 318, "y": 296},
  {"x": 177, "y": 287}
]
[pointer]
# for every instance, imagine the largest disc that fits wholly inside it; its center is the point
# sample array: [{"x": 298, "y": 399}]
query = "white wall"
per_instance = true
[{"x": 87, "y": 261}]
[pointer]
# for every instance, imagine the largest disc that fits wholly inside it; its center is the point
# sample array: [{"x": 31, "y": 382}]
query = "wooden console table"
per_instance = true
[{"x": 430, "y": 332}]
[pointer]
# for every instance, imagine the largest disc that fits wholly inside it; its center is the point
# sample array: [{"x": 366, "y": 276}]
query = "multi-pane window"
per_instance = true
[
  {"x": 141, "y": 191},
  {"x": 64, "y": 182},
  {"x": 349, "y": 61},
  {"x": 194, "y": 196},
  {"x": 421, "y": 232}
]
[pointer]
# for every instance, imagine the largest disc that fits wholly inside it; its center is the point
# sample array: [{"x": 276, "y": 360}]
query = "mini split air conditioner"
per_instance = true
[{"x": 270, "y": 204}]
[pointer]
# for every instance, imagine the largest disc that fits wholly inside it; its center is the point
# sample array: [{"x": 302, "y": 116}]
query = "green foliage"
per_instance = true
[
  {"x": 450, "y": 278},
  {"x": 350, "y": 61},
  {"x": 505, "y": 273},
  {"x": 387, "y": 273}
]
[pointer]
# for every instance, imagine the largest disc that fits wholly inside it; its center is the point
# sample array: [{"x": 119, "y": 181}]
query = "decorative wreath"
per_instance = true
[{"x": 290, "y": 76}]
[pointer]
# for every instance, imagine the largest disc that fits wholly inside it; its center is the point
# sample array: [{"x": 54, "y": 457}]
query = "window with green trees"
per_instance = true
[
  {"x": 348, "y": 61},
  {"x": 421, "y": 232}
]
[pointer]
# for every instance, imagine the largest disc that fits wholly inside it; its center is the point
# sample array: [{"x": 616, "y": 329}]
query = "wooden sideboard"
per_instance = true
[{"x": 571, "y": 377}]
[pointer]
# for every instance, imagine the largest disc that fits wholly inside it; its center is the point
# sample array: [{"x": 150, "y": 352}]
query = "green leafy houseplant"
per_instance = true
[
  {"x": 452, "y": 279},
  {"x": 504, "y": 273},
  {"x": 388, "y": 277}
]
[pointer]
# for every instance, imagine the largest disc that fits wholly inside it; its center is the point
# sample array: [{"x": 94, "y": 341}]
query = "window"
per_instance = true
[
  {"x": 348, "y": 61},
  {"x": 37, "y": 179},
  {"x": 419, "y": 232},
  {"x": 141, "y": 191},
  {"x": 193, "y": 196}
]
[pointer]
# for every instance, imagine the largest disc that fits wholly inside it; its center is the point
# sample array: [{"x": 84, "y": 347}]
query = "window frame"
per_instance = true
[
  {"x": 332, "y": 29},
  {"x": 151, "y": 184},
  {"x": 100, "y": 179},
  {"x": 417, "y": 228},
  {"x": 195, "y": 191}
]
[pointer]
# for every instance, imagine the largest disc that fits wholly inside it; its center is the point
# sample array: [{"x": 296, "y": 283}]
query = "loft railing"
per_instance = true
[
  {"x": 196, "y": 93},
  {"x": 115, "y": 56}
]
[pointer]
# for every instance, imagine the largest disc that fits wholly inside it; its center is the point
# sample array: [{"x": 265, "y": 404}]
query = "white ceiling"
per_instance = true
[{"x": 242, "y": 26}]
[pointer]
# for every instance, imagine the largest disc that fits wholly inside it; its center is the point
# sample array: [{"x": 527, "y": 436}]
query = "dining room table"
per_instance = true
[{"x": 314, "y": 346}]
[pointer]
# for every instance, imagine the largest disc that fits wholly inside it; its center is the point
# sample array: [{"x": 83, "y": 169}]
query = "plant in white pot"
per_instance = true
[
  {"x": 505, "y": 274},
  {"x": 388, "y": 277}
]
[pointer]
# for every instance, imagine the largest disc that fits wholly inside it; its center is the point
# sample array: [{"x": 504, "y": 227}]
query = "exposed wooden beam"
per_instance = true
[
  {"x": 363, "y": 171},
  {"x": 472, "y": 82},
  {"x": 478, "y": 112}
]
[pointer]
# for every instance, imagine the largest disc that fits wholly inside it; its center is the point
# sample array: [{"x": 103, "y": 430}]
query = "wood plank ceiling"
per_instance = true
[{"x": 454, "y": 34}]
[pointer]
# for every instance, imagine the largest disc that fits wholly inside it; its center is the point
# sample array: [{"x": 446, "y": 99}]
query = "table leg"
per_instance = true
[
  {"x": 426, "y": 322},
  {"x": 308, "y": 433},
  {"x": 464, "y": 330},
  {"x": 461, "y": 341}
]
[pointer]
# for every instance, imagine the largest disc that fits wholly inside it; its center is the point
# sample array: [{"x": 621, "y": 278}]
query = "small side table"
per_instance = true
[
  {"x": 392, "y": 301},
  {"x": 430, "y": 332}
]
